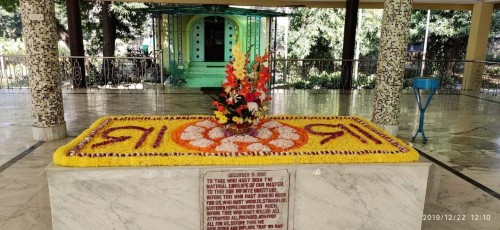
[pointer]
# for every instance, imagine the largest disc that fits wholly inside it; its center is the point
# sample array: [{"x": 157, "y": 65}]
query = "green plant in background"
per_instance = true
[
  {"x": 319, "y": 80},
  {"x": 12, "y": 47},
  {"x": 300, "y": 85},
  {"x": 365, "y": 81}
]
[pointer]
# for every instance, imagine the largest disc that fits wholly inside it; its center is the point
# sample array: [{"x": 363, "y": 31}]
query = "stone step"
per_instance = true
[
  {"x": 205, "y": 74},
  {"x": 207, "y": 64},
  {"x": 200, "y": 82}
]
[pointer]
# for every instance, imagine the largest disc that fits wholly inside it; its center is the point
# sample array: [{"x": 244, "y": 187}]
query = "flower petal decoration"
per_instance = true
[{"x": 201, "y": 140}]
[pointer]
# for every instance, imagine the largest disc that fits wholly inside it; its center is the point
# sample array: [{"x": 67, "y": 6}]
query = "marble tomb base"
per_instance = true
[{"x": 331, "y": 196}]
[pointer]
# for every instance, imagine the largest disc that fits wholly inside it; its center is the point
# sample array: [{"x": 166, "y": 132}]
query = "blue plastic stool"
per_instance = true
[{"x": 421, "y": 83}]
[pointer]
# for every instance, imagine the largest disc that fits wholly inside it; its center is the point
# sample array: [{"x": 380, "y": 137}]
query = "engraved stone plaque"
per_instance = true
[{"x": 245, "y": 199}]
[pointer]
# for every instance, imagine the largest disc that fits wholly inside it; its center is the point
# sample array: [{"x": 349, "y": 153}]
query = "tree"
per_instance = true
[
  {"x": 369, "y": 33},
  {"x": 318, "y": 33},
  {"x": 314, "y": 29},
  {"x": 105, "y": 22},
  {"x": 9, "y": 5},
  {"x": 10, "y": 24},
  {"x": 119, "y": 21},
  {"x": 448, "y": 32}
]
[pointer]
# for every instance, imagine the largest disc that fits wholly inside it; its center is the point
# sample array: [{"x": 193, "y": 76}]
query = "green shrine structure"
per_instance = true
[{"x": 196, "y": 41}]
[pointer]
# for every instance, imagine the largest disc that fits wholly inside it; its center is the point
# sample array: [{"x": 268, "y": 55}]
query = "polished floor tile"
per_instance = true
[{"x": 463, "y": 132}]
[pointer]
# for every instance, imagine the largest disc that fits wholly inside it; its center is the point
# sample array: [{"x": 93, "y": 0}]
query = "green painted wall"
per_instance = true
[{"x": 188, "y": 21}]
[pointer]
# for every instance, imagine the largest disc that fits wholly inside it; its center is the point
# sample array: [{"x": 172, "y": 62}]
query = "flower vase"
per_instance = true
[{"x": 234, "y": 128}]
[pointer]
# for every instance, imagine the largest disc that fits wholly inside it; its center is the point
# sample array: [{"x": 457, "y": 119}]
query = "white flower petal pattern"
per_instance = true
[
  {"x": 258, "y": 147},
  {"x": 206, "y": 124},
  {"x": 264, "y": 133},
  {"x": 272, "y": 124},
  {"x": 189, "y": 136},
  {"x": 285, "y": 129},
  {"x": 282, "y": 143},
  {"x": 216, "y": 133},
  {"x": 227, "y": 147},
  {"x": 267, "y": 136},
  {"x": 240, "y": 138},
  {"x": 194, "y": 129},
  {"x": 289, "y": 136},
  {"x": 202, "y": 143}
]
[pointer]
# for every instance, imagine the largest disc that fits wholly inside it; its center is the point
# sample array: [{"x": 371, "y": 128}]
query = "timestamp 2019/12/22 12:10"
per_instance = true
[{"x": 456, "y": 217}]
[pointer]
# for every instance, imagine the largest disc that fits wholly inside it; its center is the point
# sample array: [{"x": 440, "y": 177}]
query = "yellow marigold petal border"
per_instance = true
[{"x": 192, "y": 158}]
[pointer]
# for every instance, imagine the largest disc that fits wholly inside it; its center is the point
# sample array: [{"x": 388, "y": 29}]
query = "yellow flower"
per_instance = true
[
  {"x": 239, "y": 57},
  {"x": 238, "y": 120},
  {"x": 223, "y": 119},
  {"x": 248, "y": 120},
  {"x": 240, "y": 74}
]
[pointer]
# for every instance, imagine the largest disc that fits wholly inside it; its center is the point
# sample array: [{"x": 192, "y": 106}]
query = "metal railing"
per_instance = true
[
  {"x": 326, "y": 74},
  {"x": 13, "y": 71},
  {"x": 490, "y": 80},
  {"x": 145, "y": 72},
  {"x": 99, "y": 72}
]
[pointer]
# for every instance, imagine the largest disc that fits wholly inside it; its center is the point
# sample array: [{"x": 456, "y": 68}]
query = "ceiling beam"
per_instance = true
[{"x": 313, "y": 4}]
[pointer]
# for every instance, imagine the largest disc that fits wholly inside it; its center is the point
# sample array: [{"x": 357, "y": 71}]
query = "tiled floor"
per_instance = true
[{"x": 463, "y": 132}]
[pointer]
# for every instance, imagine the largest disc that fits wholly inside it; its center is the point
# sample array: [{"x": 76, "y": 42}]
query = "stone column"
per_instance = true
[
  {"x": 390, "y": 64},
  {"x": 476, "y": 45},
  {"x": 40, "y": 37}
]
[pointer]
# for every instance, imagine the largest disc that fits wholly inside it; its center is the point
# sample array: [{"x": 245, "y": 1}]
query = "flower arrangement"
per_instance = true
[
  {"x": 198, "y": 140},
  {"x": 245, "y": 94}
]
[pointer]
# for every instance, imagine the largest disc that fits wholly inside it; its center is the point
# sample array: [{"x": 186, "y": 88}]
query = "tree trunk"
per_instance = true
[
  {"x": 108, "y": 30},
  {"x": 63, "y": 33},
  {"x": 76, "y": 42},
  {"x": 108, "y": 73},
  {"x": 454, "y": 55}
]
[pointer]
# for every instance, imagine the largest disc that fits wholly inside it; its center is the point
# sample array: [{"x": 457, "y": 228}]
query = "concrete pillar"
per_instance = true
[
  {"x": 477, "y": 45},
  {"x": 40, "y": 37},
  {"x": 390, "y": 64}
]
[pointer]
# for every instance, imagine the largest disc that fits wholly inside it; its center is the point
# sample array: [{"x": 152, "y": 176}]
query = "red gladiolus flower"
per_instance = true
[
  {"x": 220, "y": 108},
  {"x": 240, "y": 109},
  {"x": 250, "y": 97}
]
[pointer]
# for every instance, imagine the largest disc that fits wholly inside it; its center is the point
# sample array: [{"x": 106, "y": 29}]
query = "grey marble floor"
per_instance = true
[{"x": 463, "y": 132}]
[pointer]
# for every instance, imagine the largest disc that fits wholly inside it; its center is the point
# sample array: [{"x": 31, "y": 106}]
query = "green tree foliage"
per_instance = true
[
  {"x": 315, "y": 29},
  {"x": 126, "y": 24},
  {"x": 9, "y": 5},
  {"x": 369, "y": 34},
  {"x": 495, "y": 23},
  {"x": 319, "y": 33},
  {"x": 10, "y": 24},
  {"x": 448, "y": 32}
]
